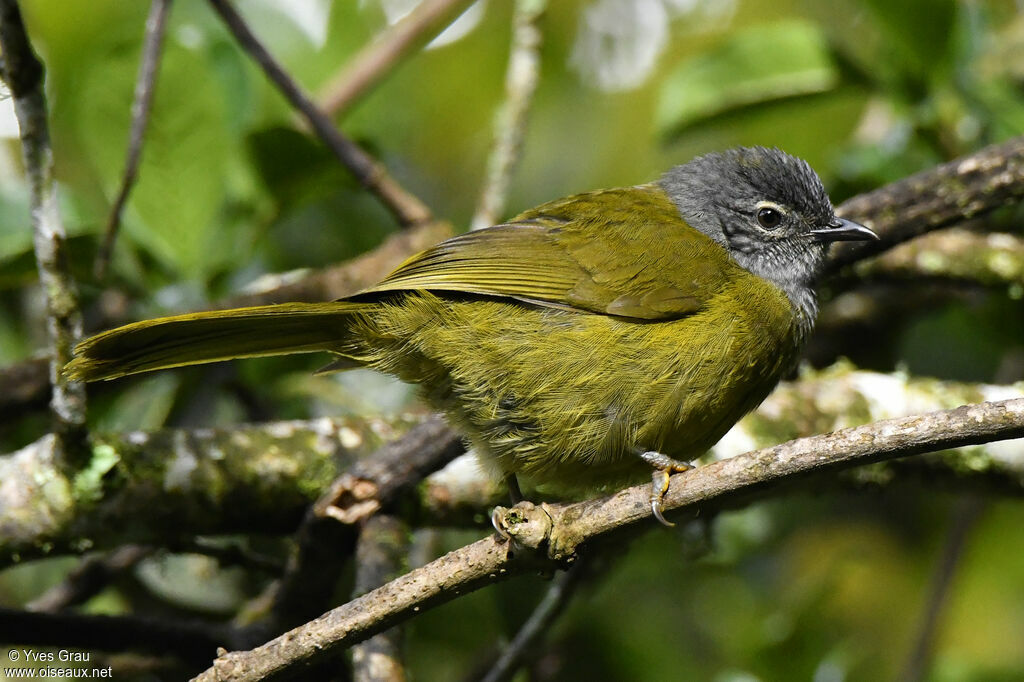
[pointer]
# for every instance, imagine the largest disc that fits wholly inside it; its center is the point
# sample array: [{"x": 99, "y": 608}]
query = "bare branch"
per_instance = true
[
  {"x": 938, "y": 197},
  {"x": 510, "y": 123},
  {"x": 145, "y": 86},
  {"x": 371, "y": 174},
  {"x": 553, "y": 535},
  {"x": 379, "y": 58},
  {"x": 23, "y": 73}
]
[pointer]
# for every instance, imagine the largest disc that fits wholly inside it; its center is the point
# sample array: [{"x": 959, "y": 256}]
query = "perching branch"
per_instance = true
[
  {"x": 938, "y": 197},
  {"x": 379, "y": 58},
  {"x": 371, "y": 174},
  {"x": 554, "y": 535},
  {"x": 145, "y": 86},
  {"x": 510, "y": 123},
  {"x": 23, "y": 73}
]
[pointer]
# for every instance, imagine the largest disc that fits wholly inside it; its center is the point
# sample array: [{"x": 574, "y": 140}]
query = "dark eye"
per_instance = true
[{"x": 769, "y": 218}]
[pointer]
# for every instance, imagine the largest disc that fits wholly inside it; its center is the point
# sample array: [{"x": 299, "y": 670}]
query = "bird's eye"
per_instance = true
[{"x": 769, "y": 218}]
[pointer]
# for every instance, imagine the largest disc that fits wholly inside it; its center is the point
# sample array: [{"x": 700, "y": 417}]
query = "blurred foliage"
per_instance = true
[{"x": 230, "y": 188}]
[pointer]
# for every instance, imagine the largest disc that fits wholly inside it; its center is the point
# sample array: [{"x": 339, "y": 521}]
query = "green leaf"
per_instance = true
[
  {"x": 919, "y": 31},
  {"x": 753, "y": 66},
  {"x": 180, "y": 183}
]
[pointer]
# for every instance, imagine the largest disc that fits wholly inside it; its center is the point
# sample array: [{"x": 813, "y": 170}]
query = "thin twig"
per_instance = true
[
  {"x": 552, "y": 535},
  {"x": 379, "y": 58},
  {"x": 380, "y": 557},
  {"x": 510, "y": 123},
  {"x": 23, "y": 73},
  {"x": 561, "y": 590},
  {"x": 145, "y": 86},
  {"x": 371, "y": 174},
  {"x": 92, "y": 575},
  {"x": 965, "y": 519}
]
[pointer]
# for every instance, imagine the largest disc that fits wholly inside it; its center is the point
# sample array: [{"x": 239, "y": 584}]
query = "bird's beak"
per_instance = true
[{"x": 843, "y": 230}]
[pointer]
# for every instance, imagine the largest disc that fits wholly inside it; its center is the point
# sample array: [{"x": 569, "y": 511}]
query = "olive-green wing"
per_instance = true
[{"x": 623, "y": 252}]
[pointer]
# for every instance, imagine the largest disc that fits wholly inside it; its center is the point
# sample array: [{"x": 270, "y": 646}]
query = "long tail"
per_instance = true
[{"x": 196, "y": 338}]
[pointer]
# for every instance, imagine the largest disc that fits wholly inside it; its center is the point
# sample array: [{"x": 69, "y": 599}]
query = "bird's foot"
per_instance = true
[{"x": 664, "y": 467}]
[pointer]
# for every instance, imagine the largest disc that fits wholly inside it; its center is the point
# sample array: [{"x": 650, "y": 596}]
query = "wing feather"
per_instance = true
[{"x": 589, "y": 252}]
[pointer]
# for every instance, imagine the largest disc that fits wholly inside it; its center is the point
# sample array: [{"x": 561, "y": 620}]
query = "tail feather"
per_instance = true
[{"x": 197, "y": 338}]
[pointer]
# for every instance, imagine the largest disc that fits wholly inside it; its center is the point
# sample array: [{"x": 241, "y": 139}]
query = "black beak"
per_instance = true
[{"x": 843, "y": 230}]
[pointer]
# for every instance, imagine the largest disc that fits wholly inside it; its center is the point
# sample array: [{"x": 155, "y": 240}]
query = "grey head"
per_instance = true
[{"x": 769, "y": 210}]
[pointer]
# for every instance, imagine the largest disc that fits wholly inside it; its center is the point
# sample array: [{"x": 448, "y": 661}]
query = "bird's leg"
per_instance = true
[
  {"x": 515, "y": 494},
  {"x": 664, "y": 466}
]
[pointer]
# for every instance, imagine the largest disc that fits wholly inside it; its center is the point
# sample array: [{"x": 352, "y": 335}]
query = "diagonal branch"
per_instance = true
[
  {"x": 391, "y": 47},
  {"x": 371, "y": 174},
  {"x": 553, "y": 535},
  {"x": 145, "y": 86}
]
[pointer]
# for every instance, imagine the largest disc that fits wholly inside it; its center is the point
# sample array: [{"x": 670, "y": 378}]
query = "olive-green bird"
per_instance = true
[{"x": 584, "y": 342}]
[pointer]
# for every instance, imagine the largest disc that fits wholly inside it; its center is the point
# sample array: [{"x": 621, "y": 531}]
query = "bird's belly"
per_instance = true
[{"x": 568, "y": 397}]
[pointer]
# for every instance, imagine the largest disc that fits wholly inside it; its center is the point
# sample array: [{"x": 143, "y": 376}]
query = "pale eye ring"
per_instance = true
[{"x": 769, "y": 218}]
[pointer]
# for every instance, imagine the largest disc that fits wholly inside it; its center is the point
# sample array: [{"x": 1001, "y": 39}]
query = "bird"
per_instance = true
[{"x": 584, "y": 343}]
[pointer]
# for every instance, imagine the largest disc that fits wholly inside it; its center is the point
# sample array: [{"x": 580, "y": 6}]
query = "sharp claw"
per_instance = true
[
  {"x": 498, "y": 528},
  {"x": 656, "y": 510}
]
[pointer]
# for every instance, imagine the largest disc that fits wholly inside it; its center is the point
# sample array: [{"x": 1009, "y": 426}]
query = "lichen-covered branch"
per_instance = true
[
  {"x": 154, "y": 487},
  {"x": 938, "y": 197},
  {"x": 23, "y": 73},
  {"x": 370, "y": 173},
  {"x": 380, "y": 57},
  {"x": 554, "y": 535},
  {"x": 510, "y": 123}
]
